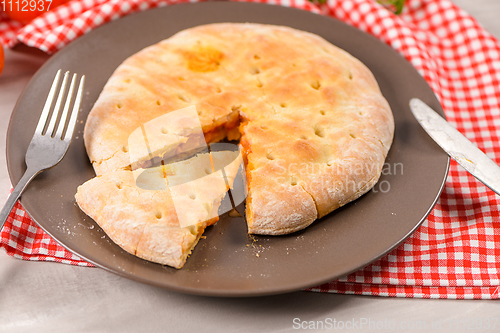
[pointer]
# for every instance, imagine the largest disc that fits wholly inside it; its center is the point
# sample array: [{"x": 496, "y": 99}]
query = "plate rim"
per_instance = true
[{"x": 188, "y": 290}]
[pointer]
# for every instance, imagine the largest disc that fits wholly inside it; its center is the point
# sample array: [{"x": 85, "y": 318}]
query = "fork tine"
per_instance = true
[
  {"x": 76, "y": 109},
  {"x": 62, "y": 121},
  {"x": 57, "y": 107},
  {"x": 48, "y": 103}
]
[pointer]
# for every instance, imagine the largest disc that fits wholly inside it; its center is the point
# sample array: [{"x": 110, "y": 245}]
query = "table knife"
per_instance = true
[{"x": 457, "y": 145}]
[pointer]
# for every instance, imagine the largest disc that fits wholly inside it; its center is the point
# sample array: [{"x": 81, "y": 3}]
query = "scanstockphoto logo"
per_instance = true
[
  {"x": 349, "y": 176},
  {"x": 170, "y": 153},
  {"x": 364, "y": 324}
]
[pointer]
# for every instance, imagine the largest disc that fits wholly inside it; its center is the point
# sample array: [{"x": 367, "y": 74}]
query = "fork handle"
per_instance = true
[{"x": 16, "y": 193}]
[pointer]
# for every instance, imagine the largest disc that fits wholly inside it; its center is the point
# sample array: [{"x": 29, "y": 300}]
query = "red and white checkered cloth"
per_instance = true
[{"x": 456, "y": 252}]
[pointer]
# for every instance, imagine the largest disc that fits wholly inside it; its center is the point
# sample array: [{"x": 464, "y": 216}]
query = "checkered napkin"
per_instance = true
[{"x": 456, "y": 251}]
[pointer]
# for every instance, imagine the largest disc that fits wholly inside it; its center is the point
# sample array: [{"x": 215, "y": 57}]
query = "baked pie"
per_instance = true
[{"x": 313, "y": 128}]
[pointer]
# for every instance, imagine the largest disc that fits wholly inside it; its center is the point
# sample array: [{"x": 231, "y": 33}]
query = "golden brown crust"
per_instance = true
[
  {"x": 160, "y": 216},
  {"x": 315, "y": 127},
  {"x": 122, "y": 209}
]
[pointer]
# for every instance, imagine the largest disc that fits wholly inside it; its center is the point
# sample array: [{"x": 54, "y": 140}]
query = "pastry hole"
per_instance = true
[
  {"x": 270, "y": 156},
  {"x": 218, "y": 90},
  {"x": 164, "y": 130},
  {"x": 316, "y": 85},
  {"x": 158, "y": 215},
  {"x": 293, "y": 181},
  {"x": 119, "y": 105},
  {"x": 192, "y": 196},
  {"x": 303, "y": 137},
  {"x": 158, "y": 102},
  {"x": 259, "y": 85},
  {"x": 119, "y": 185},
  {"x": 322, "y": 112},
  {"x": 350, "y": 75},
  {"x": 208, "y": 171},
  {"x": 283, "y": 105},
  {"x": 199, "y": 112},
  {"x": 352, "y": 135},
  {"x": 184, "y": 98},
  {"x": 254, "y": 70},
  {"x": 264, "y": 127},
  {"x": 256, "y": 57},
  {"x": 361, "y": 113},
  {"x": 319, "y": 131}
]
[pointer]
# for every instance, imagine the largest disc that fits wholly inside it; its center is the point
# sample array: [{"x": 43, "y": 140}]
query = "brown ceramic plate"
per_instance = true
[{"x": 229, "y": 262}]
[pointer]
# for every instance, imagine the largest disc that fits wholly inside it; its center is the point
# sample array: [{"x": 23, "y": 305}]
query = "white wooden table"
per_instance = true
[{"x": 50, "y": 297}]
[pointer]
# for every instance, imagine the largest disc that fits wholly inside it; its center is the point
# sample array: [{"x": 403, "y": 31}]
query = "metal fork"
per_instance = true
[{"x": 48, "y": 147}]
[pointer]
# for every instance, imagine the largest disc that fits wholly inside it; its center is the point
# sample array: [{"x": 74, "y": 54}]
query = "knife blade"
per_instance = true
[{"x": 457, "y": 145}]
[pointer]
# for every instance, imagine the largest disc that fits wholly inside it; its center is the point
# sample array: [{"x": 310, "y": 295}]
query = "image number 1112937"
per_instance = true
[
  {"x": 26, "y": 5},
  {"x": 24, "y": 11}
]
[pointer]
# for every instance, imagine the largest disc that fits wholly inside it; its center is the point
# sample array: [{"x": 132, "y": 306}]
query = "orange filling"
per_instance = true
[
  {"x": 228, "y": 130},
  {"x": 203, "y": 59},
  {"x": 246, "y": 150}
]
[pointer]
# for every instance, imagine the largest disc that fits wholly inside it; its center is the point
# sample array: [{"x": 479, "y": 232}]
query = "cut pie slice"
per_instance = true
[
  {"x": 170, "y": 135},
  {"x": 160, "y": 216}
]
